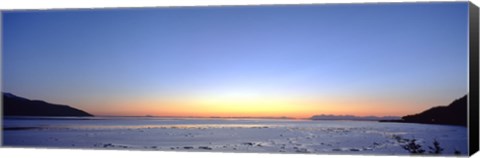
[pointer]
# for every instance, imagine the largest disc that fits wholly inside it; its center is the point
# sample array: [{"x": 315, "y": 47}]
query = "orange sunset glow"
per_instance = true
[{"x": 256, "y": 106}]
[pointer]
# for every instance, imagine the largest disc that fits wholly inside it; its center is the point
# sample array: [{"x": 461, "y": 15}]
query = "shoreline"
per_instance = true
[{"x": 426, "y": 123}]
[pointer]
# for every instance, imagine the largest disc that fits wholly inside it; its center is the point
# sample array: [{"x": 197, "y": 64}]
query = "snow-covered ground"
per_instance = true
[{"x": 229, "y": 135}]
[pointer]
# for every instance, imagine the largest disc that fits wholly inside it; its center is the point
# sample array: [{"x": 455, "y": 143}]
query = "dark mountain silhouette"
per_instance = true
[
  {"x": 18, "y": 106},
  {"x": 351, "y": 117},
  {"x": 453, "y": 114}
]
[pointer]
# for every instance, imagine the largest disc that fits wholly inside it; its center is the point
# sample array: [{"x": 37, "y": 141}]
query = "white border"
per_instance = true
[{"x": 73, "y": 4}]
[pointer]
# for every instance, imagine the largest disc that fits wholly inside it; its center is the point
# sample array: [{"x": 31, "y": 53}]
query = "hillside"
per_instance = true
[
  {"x": 18, "y": 106},
  {"x": 453, "y": 114}
]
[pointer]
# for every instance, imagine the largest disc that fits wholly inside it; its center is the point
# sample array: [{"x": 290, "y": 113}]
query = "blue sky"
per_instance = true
[{"x": 410, "y": 53}]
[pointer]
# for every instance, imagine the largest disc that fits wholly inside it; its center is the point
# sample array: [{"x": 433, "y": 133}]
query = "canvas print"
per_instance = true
[{"x": 369, "y": 79}]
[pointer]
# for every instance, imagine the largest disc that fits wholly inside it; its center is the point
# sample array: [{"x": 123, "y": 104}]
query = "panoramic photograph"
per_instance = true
[{"x": 365, "y": 79}]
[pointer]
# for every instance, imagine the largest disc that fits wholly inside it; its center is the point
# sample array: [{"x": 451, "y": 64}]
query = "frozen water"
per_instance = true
[{"x": 229, "y": 135}]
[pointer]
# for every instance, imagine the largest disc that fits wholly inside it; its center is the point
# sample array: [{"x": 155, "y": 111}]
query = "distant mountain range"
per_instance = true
[
  {"x": 453, "y": 114},
  {"x": 351, "y": 117},
  {"x": 18, "y": 106}
]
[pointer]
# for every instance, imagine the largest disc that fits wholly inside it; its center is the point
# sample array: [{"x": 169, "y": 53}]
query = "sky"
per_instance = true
[{"x": 239, "y": 61}]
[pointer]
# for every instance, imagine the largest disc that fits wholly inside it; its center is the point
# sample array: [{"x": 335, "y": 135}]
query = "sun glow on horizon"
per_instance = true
[{"x": 251, "y": 104}]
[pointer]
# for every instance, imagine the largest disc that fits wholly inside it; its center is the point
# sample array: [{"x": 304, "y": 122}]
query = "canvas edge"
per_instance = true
[
  {"x": 473, "y": 99},
  {"x": 473, "y": 38}
]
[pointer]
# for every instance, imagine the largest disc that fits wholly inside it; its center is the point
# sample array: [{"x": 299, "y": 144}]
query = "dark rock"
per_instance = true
[
  {"x": 205, "y": 147},
  {"x": 353, "y": 149},
  {"x": 249, "y": 143},
  {"x": 107, "y": 145}
]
